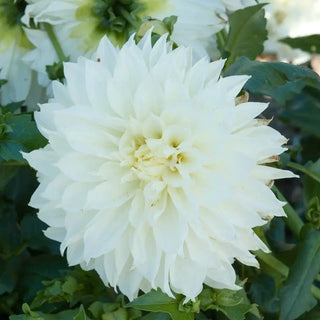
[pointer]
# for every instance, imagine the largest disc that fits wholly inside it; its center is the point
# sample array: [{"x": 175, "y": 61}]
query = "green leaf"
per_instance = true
[
  {"x": 10, "y": 238},
  {"x": 281, "y": 81},
  {"x": 113, "y": 311},
  {"x": 309, "y": 43},
  {"x": 263, "y": 292},
  {"x": 81, "y": 315},
  {"x": 23, "y": 136},
  {"x": 247, "y": 33},
  {"x": 32, "y": 234},
  {"x": 10, "y": 151},
  {"x": 6, "y": 174},
  {"x": 310, "y": 179},
  {"x": 233, "y": 304},
  {"x": 25, "y": 132},
  {"x": 10, "y": 270},
  {"x": 157, "y": 301},
  {"x": 310, "y": 148},
  {"x": 304, "y": 114},
  {"x": 314, "y": 314},
  {"x": 12, "y": 107},
  {"x": 238, "y": 312},
  {"x": 55, "y": 71},
  {"x": 2, "y": 82},
  {"x": 156, "y": 316},
  {"x": 295, "y": 295},
  {"x": 37, "y": 269},
  {"x": 35, "y": 315},
  {"x": 313, "y": 213}
]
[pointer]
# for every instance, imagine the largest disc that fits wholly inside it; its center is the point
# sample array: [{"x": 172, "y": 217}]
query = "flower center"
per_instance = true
[
  {"x": 10, "y": 24},
  {"x": 115, "y": 18},
  {"x": 115, "y": 15},
  {"x": 154, "y": 159},
  {"x": 12, "y": 11},
  {"x": 280, "y": 16}
]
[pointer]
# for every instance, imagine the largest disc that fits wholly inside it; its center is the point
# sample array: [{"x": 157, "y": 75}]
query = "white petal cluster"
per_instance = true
[
  {"x": 13, "y": 45},
  {"x": 61, "y": 15},
  {"x": 197, "y": 23},
  {"x": 153, "y": 176},
  {"x": 291, "y": 19},
  {"x": 234, "y": 5},
  {"x": 75, "y": 27}
]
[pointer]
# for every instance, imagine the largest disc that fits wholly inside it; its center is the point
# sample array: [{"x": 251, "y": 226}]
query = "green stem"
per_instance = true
[
  {"x": 273, "y": 262},
  {"x": 270, "y": 260},
  {"x": 55, "y": 42},
  {"x": 14, "y": 163},
  {"x": 303, "y": 169},
  {"x": 315, "y": 292},
  {"x": 293, "y": 221},
  {"x": 221, "y": 39}
]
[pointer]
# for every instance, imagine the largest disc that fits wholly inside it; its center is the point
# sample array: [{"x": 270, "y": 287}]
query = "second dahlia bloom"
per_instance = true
[
  {"x": 293, "y": 19},
  {"x": 13, "y": 46},
  {"x": 153, "y": 176},
  {"x": 79, "y": 26},
  {"x": 234, "y": 5}
]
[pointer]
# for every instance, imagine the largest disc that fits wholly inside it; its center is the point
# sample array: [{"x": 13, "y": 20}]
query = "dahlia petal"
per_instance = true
[
  {"x": 170, "y": 230},
  {"x": 96, "y": 90},
  {"x": 146, "y": 255},
  {"x": 52, "y": 216},
  {"x": 137, "y": 209},
  {"x": 158, "y": 51},
  {"x": 106, "y": 53},
  {"x": 105, "y": 228},
  {"x": 75, "y": 196},
  {"x": 56, "y": 234},
  {"x": 129, "y": 282},
  {"x": 198, "y": 248},
  {"x": 110, "y": 194},
  {"x": 222, "y": 278},
  {"x": 219, "y": 229},
  {"x": 38, "y": 160},
  {"x": 61, "y": 94},
  {"x": 108, "y": 269},
  {"x": 121, "y": 252},
  {"x": 147, "y": 97},
  {"x": 99, "y": 266},
  {"x": 246, "y": 112},
  {"x": 120, "y": 100},
  {"x": 80, "y": 167},
  {"x": 76, "y": 87},
  {"x": 265, "y": 173},
  {"x": 75, "y": 253},
  {"x": 185, "y": 270}
]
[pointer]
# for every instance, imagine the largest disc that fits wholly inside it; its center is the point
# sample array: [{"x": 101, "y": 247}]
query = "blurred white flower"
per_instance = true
[
  {"x": 80, "y": 24},
  {"x": 13, "y": 45},
  {"x": 197, "y": 23},
  {"x": 234, "y": 5},
  {"x": 291, "y": 19},
  {"x": 152, "y": 175}
]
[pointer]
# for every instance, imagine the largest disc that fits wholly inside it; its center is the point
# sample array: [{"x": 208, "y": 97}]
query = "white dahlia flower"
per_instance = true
[
  {"x": 293, "y": 19},
  {"x": 197, "y": 23},
  {"x": 13, "y": 45},
  {"x": 79, "y": 25},
  {"x": 233, "y": 5},
  {"x": 153, "y": 176}
]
